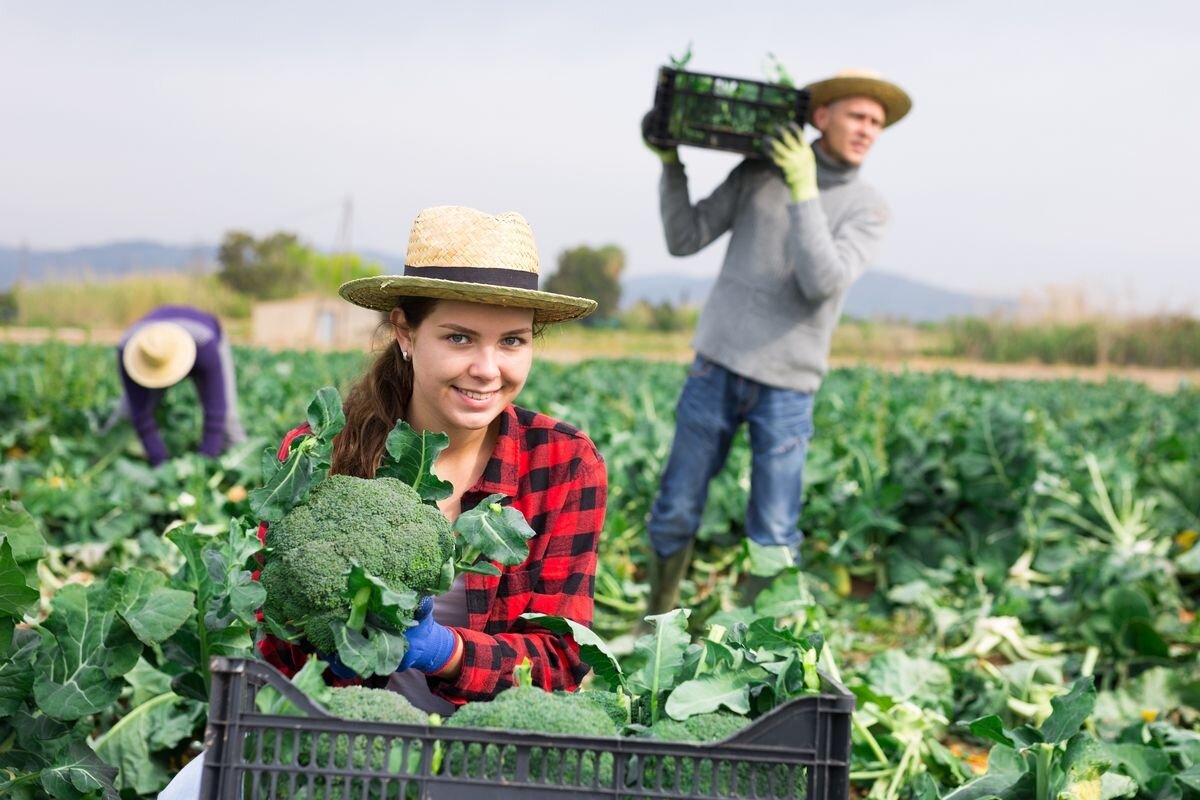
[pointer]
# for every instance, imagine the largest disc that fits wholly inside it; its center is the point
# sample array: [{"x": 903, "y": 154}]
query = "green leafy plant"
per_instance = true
[{"x": 1058, "y": 760}]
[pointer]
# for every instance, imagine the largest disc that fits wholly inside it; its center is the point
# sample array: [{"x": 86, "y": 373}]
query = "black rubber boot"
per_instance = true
[{"x": 665, "y": 577}]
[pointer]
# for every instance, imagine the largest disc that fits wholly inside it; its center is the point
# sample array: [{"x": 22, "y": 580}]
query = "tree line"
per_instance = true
[{"x": 279, "y": 266}]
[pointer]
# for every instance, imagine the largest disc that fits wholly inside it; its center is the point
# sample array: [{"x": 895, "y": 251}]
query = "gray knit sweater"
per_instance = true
[{"x": 771, "y": 314}]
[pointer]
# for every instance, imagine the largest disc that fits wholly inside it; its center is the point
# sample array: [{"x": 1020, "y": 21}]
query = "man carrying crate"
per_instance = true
[{"x": 803, "y": 228}]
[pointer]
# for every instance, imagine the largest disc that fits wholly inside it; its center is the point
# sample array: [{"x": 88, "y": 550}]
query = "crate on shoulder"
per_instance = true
[{"x": 719, "y": 112}]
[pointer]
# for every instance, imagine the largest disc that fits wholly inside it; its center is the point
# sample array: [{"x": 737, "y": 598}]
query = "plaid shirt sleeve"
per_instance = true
[{"x": 561, "y": 488}]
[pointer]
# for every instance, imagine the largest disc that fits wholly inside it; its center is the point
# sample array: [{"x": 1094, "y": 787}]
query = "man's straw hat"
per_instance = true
[
  {"x": 458, "y": 253},
  {"x": 159, "y": 354},
  {"x": 861, "y": 83}
]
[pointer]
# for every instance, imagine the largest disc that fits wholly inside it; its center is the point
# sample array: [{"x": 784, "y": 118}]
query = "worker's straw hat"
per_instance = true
[
  {"x": 458, "y": 253},
  {"x": 159, "y": 354},
  {"x": 861, "y": 83}
]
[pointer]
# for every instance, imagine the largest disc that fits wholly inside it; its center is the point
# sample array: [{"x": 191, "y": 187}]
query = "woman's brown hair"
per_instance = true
[{"x": 376, "y": 401}]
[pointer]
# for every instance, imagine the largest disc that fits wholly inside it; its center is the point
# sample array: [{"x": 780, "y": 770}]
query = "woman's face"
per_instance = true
[{"x": 469, "y": 362}]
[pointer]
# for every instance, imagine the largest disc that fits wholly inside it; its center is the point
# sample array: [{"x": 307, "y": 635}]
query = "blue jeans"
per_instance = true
[{"x": 713, "y": 404}]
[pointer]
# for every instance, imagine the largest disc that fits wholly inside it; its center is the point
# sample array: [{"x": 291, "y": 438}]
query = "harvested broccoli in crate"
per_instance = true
[{"x": 720, "y": 112}]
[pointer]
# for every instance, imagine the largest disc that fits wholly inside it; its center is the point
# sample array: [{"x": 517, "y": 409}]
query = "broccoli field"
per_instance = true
[{"x": 1005, "y": 574}]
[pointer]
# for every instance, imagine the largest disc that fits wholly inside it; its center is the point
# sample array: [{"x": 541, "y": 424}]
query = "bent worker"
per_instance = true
[
  {"x": 160, "y": 350},
  {"x": 803, "y": 228}
]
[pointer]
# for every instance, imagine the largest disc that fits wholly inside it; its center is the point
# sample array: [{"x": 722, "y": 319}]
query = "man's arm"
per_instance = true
[
  {"x": 826, "y": 262},
  {"x": 690, "y": 228},
  {"x": 209, "y": 375},
  {"x": 142, "y": 402}
]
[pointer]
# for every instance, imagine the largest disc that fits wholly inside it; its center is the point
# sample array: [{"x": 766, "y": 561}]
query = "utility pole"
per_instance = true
[{"x": 342, "y": 243}]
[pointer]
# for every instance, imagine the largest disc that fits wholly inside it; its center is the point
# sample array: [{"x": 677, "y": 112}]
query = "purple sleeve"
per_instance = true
[
  {"x": 210, "y": 387},
  {"x": 142, "y": 402}
]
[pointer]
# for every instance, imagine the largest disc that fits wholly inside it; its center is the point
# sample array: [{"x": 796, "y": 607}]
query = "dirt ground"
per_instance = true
[{"x": 1159, "y": 380}]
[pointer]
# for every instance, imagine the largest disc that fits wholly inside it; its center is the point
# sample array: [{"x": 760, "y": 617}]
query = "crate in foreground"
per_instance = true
[
  {"x": 720, "y": 112},
  {"x": 800, "y": 749}
]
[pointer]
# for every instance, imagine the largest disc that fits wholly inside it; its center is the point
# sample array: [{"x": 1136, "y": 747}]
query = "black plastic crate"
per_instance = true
[
  {"x": 720, "y": 112},
  {"x": 800, "y": 749}
]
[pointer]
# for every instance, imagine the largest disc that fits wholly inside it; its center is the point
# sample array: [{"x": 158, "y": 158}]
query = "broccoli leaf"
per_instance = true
[
  {"x": 710, "y": 692},
  {"x": 1070, "y": 711},
  {"x": 309, "y": 457},
  {"x": 378, "y": 654},
  {"x": 156, "y": 724},
  {"x": 78, "y": 772},
  {"x": 287, "y": 485},
  {"x": 499, "y": 532},
  {"x": 660, "y": 656},
  {"x": 20, "y": 530},
  {"x": 16, "y": 596},
  {"x": 325, "y": 415},
  {"x": 86, "y": 647},
  {"x": 152, "y": 610},
  {"x": 411, "y": 460}
]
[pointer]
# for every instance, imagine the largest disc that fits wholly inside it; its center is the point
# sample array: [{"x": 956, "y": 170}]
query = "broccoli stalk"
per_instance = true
[{"x": 358, "y": 609}]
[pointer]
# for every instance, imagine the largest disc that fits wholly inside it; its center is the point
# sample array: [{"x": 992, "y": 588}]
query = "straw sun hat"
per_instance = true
[
  {"x": 159, "y": 354},
  {"x": 861, "y": 83},
  {"x": 458, "y": 253}
]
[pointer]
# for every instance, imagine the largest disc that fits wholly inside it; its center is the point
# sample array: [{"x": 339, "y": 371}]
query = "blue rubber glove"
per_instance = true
[{"x": 430, "y": 644}]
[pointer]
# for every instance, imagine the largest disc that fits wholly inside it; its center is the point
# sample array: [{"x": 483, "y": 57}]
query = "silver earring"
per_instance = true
[{"x": 404, "y": 354}]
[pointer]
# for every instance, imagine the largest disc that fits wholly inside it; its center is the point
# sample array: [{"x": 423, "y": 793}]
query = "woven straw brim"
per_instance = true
[
  {"x": 383, "y": 292},
  {"x": 145, "y": 373},
  {"x": 895, "y": 101}
]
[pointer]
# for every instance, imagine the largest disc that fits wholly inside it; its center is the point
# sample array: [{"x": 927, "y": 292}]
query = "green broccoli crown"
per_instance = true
[
  {"x": 531, "y": 708},
  {"x": 373, "y": 705},
  {"x": 699, "y": 728},
  {"x": 704, "y": 776},
  {"x": 616, "y": 705},
  {"x": 379, "y": 523}
]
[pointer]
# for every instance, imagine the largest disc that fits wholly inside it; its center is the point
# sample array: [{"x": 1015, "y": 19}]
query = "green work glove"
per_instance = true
[
  {"x": 795, "y": 157},
  {"x": 668, "y": 155}
]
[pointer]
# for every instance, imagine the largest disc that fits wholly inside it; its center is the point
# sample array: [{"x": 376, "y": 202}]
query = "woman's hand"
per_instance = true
[{"x": 432, "y": 647}]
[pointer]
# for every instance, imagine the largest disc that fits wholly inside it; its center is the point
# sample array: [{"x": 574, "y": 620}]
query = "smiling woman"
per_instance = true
[{"x": 463, "y": 315}]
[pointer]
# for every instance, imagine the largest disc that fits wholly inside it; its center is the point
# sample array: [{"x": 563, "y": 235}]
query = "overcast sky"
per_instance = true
[{"x": 1050, "y": 142}]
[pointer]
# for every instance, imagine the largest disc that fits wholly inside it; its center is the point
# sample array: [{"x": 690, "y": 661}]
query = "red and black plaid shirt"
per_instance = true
[{"x": 557, "y": 479}]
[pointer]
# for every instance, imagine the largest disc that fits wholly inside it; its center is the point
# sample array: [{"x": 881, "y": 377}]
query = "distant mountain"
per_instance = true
[
  {"x": 876, "y": 295},
  {"x": 102, "y": 261}
]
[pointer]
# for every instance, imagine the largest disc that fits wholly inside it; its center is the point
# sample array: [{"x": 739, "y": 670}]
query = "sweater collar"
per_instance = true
[{"x": 831, "y": 172}]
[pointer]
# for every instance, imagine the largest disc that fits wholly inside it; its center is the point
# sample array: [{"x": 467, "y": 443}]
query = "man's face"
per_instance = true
[{"x": 849, "y": 127}]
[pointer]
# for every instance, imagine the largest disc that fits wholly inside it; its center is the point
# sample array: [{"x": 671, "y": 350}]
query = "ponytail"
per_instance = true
[{"x": 375, "y": 402}]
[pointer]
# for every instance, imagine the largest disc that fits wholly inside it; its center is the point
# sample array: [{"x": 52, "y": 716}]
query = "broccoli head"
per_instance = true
[
  {"x": 617, "y": 705},
  {"x": 706, "y": 776},
  {"x": 530, "y": 708},
  {"x": 700, "y": 727},
  {"x": 380, "y": 524},
  {"x": 373, "y": 705}
]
